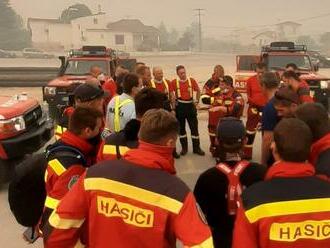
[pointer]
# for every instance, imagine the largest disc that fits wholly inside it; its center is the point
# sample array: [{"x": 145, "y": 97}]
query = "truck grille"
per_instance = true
[{"x": 31, "y": 118}]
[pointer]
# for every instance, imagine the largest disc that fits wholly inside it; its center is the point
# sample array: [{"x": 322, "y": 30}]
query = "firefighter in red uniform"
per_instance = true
[
  {"x": 118, "y": 143},
  {"x": 186, "y": 109},
  {"x": 75, "y": 153},
  {"x": 123, "y": 204},
  {"x": 256, "y": 101},
  {"x": 292, "y": 80},
  {"x": 228, "y": 102},
  {"x": 86, "y": 95},
  {"x": 291, "y": 208},
  {"x": 211, "y": 87},
  {"x": 107, "y": 83}
]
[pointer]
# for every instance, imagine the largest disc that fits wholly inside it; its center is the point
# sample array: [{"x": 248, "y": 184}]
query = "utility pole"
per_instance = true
[{"x": 200, "y": 36}]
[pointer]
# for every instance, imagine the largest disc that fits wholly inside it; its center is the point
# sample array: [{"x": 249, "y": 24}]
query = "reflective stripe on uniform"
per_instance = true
[
  {"x": 112, "y": 149},
  {"x": 135, "y": 193},
  {"x": 205, "y": 244},
  {"x": 57, "y": 222},
  {"x": 153, "y": 85},
  {"x": 285, "y": 208},
  {"x": 59, "y": 130},
  {"x": 57, "y": 167},
  {"x": 216, "y": 90},
  {"x": 118, "y": 105},
  {"x": 189, "y": 88},
  {"x": 194, "y": 137},
  {"x": 51, "y": 202},
  {"x": 183, "y": 136},
  {"x": 79, "y": 244},
  {"x": 182, "y": 101},
  {"x": 212, "y": 134}
]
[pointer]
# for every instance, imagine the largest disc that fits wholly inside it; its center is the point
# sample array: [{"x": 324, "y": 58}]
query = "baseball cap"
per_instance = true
[
  {"x": 88, "y": 92},
  {"x": 231, "y": 128},
  {"x": 287, "y": 94}
]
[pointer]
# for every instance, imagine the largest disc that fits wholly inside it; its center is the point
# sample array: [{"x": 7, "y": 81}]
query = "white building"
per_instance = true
[{"x": 126, "y": 34}]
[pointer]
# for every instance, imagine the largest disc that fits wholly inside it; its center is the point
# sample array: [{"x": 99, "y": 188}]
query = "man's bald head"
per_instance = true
[
  {"x": 95, "y": 71},
  {"x": 158, "y": 73}
]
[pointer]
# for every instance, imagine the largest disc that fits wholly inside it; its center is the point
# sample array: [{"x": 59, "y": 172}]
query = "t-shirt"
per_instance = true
[{"x": 269, "y": 116}]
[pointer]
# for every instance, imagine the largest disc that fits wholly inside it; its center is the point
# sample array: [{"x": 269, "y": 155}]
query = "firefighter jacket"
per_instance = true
[
  {"x": 304, "y": 92},
  {"x": 134, "y": 202},
  {"x": 110, "y": 87},
  {"x": 64, "y": 171},
  {"x": 291, "y": 208},
  {"x": 210, "y": 89},
  {"x": 117, "y": 144},
  {"x": 232, "y": 100},
  {"x": 255, "y": 96}
]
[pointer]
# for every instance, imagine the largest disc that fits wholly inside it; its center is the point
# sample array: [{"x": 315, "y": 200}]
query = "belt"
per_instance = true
[{"x": 183, "y": 101}]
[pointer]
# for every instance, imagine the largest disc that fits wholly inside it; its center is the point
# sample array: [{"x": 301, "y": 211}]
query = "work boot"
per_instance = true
[
  {"x": 176, "y": 155},
  {"x": 196, "y": 147},
  {"x": 184, "y": 145}
]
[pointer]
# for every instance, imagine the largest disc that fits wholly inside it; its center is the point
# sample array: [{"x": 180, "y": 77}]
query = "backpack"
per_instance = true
[
  {"x": 234, "y": 185},
  {"x": 27, "y": 190}
]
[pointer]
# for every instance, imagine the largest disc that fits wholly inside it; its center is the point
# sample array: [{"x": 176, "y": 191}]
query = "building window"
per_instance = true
[
  {"x": 96, "y": 21},
  {"x": 120, "y": 39}
]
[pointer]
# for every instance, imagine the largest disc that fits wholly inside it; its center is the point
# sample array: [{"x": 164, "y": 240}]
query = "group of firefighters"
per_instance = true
[{"x": 126, "y": 130}]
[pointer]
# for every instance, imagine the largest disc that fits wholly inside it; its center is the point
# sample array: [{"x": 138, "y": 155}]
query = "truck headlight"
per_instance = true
[
  {"x": 50, "y": 91},
  {"x": 324, "y": 84},
  {"x": 12, "y": 125}
]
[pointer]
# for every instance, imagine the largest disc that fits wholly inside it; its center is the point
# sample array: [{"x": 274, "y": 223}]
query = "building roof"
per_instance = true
[
  {"x": 288, "y": 23},
  {"x": 132, "y": 26},
  {"x": 269, "y": 34},
  {"x": 44, "y": 20}
]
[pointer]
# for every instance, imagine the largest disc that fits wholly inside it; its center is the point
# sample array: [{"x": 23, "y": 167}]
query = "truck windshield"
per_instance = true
[
  {"x": 82, "y": 67},
  {"x": 280, "y": 62}
]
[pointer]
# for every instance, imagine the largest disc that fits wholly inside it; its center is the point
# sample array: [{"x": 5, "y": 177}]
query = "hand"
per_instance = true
[
  {"x": 219, "y": 108},
  {"x": 197, "y": 105}
]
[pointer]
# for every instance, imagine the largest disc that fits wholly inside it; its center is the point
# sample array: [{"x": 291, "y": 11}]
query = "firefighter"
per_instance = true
[
  {"x": 256, "y": 101},
  {"x": 121, "y": 109},
  {"x": 292, "y": 80},
  {"x": 163, "y": 85},
  {"x": 317, "y": 118},
  {"x": 291, "y": 208},
  {"x": 227, "y": 102},
  {"x": 186, "y": 109},
  {"x": 120, "y": 74},
  {"x": 107, "y": 83},
  {"x": 123, "y": 203},
  {"x": 85, "y": 95},
  {"x": 212, "y": 186},
  {"x": 117, "y": 144},
  {"x": 144, "y": 73},
  {"x": 76, "y": 153},
  {"x": 211, "y": 87}
]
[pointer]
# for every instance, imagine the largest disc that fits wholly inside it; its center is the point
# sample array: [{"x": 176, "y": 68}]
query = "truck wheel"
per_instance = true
[{"x": 7, "y": 168}]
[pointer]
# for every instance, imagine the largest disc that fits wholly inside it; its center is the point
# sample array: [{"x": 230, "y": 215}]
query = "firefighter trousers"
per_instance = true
[{"x": 188, "y": 111}]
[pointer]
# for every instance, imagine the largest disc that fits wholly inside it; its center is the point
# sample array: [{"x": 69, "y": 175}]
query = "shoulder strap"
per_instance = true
[
  {"x": 234, "y": 185},
  {"x": 178, "y": 88},
  {"x": 153, "y": 85},
  {"x": 66, "y": 151}
]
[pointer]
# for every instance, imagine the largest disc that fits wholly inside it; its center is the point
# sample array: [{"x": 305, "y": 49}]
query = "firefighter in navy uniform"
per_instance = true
[
  {"x": 85, "y": 95},
  {"x": 185, "y": 88},
  {"x": 291, "y": 207},
  {"x": 117, "y": 144},
  {"x": 135, "y": 201},
  {"x": 232, "y": 173}
]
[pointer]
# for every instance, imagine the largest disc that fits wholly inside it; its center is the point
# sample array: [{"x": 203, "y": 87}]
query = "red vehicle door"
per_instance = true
[{"x": 245, "y": 68}]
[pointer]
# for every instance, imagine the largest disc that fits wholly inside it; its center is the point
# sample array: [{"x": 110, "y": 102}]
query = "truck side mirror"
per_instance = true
[{"x": 63, "y": 62}]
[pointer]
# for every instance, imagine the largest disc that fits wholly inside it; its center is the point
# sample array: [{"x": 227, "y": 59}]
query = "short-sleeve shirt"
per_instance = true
[
  {"x": 184, "y": 88},
  {"x": 269, "y": 116}
]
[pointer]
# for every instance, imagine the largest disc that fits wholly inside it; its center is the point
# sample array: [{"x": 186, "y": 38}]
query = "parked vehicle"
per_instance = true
[
  {"x": 36, "y": 53},
  {"x": 7, "y": 54},
  {"x": 276, "y": 56}
]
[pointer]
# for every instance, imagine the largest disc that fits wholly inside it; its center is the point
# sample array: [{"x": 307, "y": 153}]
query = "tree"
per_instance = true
[
  {"x": 308, "y": 41},
  {"x": 13, "y": 36},
  {"x": 186, "y": 42},
  {"x": 75, "y": 11}
]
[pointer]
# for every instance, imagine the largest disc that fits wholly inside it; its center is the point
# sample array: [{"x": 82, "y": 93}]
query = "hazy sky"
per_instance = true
[{"x": 219, "y": 14}]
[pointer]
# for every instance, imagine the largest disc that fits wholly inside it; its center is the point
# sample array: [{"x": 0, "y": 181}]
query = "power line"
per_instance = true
[{"x": 200, "y": 36}]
